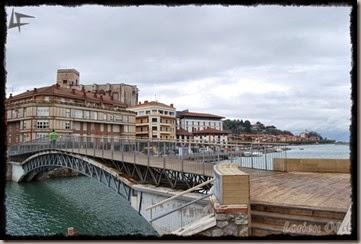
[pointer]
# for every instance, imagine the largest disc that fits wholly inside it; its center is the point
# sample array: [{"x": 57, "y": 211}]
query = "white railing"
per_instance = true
[{"x": 180, "y": 219}]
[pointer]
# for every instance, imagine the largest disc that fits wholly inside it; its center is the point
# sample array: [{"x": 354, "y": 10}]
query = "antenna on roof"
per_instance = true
[{"x": 155, "y": 97}]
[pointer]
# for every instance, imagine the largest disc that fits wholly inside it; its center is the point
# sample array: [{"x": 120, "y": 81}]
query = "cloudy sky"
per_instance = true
[{"x": 286, "y": 66}]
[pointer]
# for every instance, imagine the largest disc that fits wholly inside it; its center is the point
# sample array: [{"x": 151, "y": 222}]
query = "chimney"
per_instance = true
[
  {"x": 35, "y": 90},
  {"x": 140, "y": 103},
  {"x": 11, "y": 95},
  {"x": 101, "y": 97},
  {"x": 146, "y": 101},
  {"x": 57, "y": 85},
  {"x": 171, "y": 105}
]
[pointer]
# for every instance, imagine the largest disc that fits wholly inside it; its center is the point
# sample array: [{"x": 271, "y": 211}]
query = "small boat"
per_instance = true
[
  {"x": 302, "y": 148},
  {"x": 252, "y": 154},
  {"x": 257, "y": 154}
]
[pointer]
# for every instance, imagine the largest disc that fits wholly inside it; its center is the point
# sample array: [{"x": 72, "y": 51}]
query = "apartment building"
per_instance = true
[
  {"x": 155, "y": 120},
  {"x": 124, "y": 93},
  {"x": 200, "y": 127},
  {"x": 192, "y": 121},
  {"x": 34, "y": 113}
]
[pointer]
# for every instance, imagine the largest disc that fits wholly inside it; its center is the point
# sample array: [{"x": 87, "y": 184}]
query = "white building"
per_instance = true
[
  {"x": 191, "y": 121},
  {"x": 200, "y": 127}
]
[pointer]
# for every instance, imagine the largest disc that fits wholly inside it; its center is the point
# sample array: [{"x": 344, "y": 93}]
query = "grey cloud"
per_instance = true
[{"x": 167, "y": 50}]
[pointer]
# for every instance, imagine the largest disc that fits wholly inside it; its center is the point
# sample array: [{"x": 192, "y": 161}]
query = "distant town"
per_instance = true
[{"x": 113, "y": 110}]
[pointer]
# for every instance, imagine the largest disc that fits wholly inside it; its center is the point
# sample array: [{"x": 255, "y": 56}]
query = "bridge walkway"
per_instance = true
[{"x": 320, "y": 190}]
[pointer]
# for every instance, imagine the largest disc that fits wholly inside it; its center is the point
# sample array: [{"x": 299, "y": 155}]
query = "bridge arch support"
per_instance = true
[{"x": 47, "y": 160}]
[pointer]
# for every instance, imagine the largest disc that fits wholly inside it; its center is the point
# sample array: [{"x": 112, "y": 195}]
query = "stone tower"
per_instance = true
[{"x": 67, "y": 77}]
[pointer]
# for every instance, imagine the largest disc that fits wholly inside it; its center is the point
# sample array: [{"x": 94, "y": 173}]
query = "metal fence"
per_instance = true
[{"x": 174, "y": 155}]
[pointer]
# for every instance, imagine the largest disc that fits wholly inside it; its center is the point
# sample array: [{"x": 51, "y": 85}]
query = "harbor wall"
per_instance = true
[{"x": 316, "y": 165}]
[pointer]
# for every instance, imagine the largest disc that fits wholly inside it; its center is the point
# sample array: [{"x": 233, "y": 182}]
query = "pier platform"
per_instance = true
[{"x": 314, "y": 190}]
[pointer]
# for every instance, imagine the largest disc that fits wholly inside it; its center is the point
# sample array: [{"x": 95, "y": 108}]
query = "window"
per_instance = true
[
  {"x": 101, "y": 116},
  {"x": 140, "y": 113},
  {"x": 77, "y": 114},
  {"x": 147, "y": 112},
  {"x": 166, "y": 112},
  {"x": 154, "y": 120},
  {"x": 67, "y": 125},
  {"x": 86, "y": 115},
  {"x": 154, "y": 128},
  {"x": 42, "y": 124},
  {"x": 65, "y": 81},
  {"x": 154, "y": 111},
  {"x": 42, "y": 111},
  {"x": 24, "y": 125},
  {"x": 94, "y": 115},
  {"x": 117, "y": 118},
  {"x": 14, "y": 113},
  {"x": 161, "y": 111},
  {"x": 67, "y": 112},
  {"x": 110, "y": 117},
  {"x": 171, "y": 113}
]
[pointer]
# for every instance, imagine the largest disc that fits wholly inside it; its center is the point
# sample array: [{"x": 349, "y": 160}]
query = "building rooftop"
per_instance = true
[
  {"x": 56, "y": 90},
  {"x": 67, "y": 71},
  {"x": 153, "y": 103},
  {"x": 183, "y": 132},
  {"x": 187, "y": 114}
]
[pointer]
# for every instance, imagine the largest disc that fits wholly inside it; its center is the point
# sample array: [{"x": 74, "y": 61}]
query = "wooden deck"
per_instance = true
[{"x": 316, "y": 190}]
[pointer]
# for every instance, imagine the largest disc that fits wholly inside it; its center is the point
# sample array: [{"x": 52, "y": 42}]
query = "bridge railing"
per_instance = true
[
  {"x": 169, "y": 154},
  {"x": 179, "y": 216}
]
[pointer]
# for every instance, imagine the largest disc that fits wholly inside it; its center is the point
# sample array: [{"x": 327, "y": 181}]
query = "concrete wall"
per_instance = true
[
  {"x": 312, "y": 165},
  {"x": 149, "y": 195}
]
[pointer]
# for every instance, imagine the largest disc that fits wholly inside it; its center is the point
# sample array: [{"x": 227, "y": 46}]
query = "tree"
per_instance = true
[{"x": 247, "y": 126}]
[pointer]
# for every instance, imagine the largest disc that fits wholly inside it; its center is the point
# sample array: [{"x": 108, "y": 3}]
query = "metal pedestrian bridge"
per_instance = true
[
  {"x": 121, "y": 163},
  {"x": 173, "y": 164}
]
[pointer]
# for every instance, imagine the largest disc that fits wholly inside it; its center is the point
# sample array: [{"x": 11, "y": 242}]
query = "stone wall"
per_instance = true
[
  {"x": 231, "y": 220},
  {"x": 229, "y": 225},
  {"x": 8, "y": 172}
]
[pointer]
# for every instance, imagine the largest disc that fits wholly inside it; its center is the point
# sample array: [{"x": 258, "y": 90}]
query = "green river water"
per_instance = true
[{"x": 51, "y": 206}]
